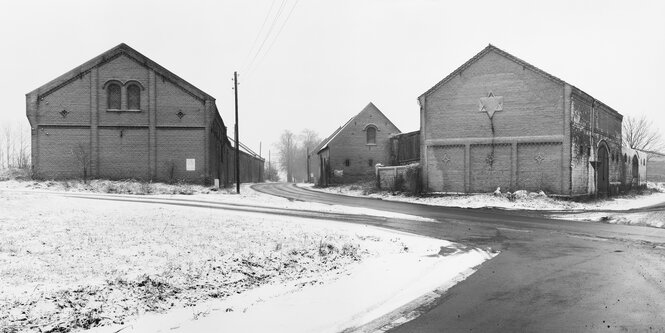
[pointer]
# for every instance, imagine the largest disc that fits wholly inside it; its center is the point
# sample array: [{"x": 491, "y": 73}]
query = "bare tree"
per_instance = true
[
  {"x": 2, "y": 150},
  {"x": 639, "y": 134},
  {"x": 14, "y": 145},
  {"x": 287, "y": 147},
  {"x": 8, "y": 142},
  {"x": 23, "y": 148},
  {"x": 82, "y": 155},
  {"x": 309, "y": 140},
  {"x": 271, "y": 173}
]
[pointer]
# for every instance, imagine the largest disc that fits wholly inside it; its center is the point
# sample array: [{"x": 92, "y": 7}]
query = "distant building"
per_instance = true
[
  {"x": 498, "y": 121},
  {"x": 351, "y": 152},
  {"x": 122, "y": 115},
  {"x": 656, "y": 169}
]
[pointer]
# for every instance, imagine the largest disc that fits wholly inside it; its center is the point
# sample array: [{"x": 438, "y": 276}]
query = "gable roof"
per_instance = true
[
  {"x": 492, "y": 48},
  {"x": 324, "y": 144},
  {"x": 121, "y": 49},
  {"x": 486, "y": 50}
]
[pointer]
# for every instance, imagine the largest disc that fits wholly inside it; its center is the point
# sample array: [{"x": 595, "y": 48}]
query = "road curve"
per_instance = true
[{"x": 551, "y": 275}]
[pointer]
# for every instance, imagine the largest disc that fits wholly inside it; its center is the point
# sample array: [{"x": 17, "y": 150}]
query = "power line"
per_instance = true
[
  {"x": 265, "y": 55},
  {"x": 256, "y": 39},
  {"x": 272, "y": 26}
]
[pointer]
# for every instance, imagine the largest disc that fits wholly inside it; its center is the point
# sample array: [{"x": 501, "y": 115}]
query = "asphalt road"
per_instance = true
[{"x": 550, "y": 276}]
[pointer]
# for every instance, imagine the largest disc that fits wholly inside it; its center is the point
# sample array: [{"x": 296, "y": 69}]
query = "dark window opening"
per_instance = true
[
  {"x": 347, "y": 162},
  {"x": 371, "y": 162},
  {"x": 113, "y": 96},
  {"x": 134, "y": 97},
  {"x": 371, "y": 135}
]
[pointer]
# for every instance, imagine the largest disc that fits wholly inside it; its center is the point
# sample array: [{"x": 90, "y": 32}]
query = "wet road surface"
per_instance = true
[{"x": 550, "y": 275}]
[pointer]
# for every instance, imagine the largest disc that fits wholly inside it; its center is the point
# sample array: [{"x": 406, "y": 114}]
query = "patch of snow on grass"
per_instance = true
[
  {"x": 363, "y": 293},
  {"x": 523, "y": 200}
]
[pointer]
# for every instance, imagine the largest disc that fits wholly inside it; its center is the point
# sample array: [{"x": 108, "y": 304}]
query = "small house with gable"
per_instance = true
[{"x": 352, "y": 151}]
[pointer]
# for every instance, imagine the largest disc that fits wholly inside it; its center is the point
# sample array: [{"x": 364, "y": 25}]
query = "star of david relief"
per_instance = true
[
  {"x": 491, "y": 104},
  {"x": 539, "y": 158}
]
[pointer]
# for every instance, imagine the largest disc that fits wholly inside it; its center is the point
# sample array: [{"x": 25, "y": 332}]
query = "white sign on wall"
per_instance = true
[{"x": 191, "y": 164}]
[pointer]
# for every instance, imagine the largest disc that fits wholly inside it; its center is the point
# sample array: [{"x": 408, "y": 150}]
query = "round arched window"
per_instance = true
[
  {"x": 133, "y": 97},
  {"x": 113, "y": 96},
  {"x": 371, "y": 135}
]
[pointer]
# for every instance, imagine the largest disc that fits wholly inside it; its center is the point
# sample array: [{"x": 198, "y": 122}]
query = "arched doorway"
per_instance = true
[
  {"x": 603, "y": 169},
  {"x": 636, "y": 171}
]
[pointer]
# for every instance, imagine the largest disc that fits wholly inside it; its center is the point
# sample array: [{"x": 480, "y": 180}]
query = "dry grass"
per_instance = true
[
  {"x": 66, "y": 264},
  {"x": 128, "y": 186}
]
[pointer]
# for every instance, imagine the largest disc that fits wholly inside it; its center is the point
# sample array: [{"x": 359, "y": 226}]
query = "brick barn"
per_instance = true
[
  {"x": 122, "y": 115},
  {"x": 498, "y": 121},
  {"x": 351, "y": 152}
]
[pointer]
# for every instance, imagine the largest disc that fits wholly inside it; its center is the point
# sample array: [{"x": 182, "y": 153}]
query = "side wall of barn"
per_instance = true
[{"x": 594, "y": 126}]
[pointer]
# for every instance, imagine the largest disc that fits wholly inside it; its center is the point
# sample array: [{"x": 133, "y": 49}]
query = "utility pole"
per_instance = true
[
  {"x": 308, "y": 180},
  {"x": 269, "y": 166},
  {"x": 237, "y": 139}
]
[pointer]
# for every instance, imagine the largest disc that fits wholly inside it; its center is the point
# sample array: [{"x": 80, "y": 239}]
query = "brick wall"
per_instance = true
[
  {"x": 56, "y": 151},
  {"x": 539, "y": 167},
  {"x": 174, "y": 147},
  {"x": 171, "y": 99},
  {"x": 532, "y": 103},
  {"x": 251, "y": 168},
  {"x": 446, "y": 167},
  {"x": 594, "y": 125},
  {"x": 126, "y": 143},
  {"x": 74, "y": 98},
  {"x": 351, "y": 144},
  {"x": 458, "y": 138},
  {"x": 123, "y": 153},
  {"x": 486, "y": 177}
]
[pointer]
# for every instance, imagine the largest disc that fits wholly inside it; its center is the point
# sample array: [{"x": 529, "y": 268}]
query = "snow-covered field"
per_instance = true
[
  {"x": 524, "y": 200},
  {"x": 72, "y": 263}
]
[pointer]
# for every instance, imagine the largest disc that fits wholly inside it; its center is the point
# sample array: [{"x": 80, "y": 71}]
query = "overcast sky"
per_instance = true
[{"x": 331, "y": 58}]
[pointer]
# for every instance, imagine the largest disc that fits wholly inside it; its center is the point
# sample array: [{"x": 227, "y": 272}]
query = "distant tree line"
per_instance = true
[
  {"x": 292, "y": 150},
  {"x": 14, "y": 145}
]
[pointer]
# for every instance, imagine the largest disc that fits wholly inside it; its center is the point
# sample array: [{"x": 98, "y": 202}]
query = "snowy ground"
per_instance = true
[
  {"x": 528, "y": 201},
  {"x": 570, "y": 210},
  {"x": 195, "y": 193},
  {"x": 72, "y": 263}
]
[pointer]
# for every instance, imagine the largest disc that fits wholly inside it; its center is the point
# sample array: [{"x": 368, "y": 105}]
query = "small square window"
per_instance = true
[
  {"x": 371, "y": 162},
  {"x": 347, "y": 162}
]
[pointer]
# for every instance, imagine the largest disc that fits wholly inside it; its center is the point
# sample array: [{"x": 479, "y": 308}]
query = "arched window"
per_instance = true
[
  {"x": 371, "y": 135},
  {"x": 133, "y": 97},
  {"x": 113, "y": 96}
]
